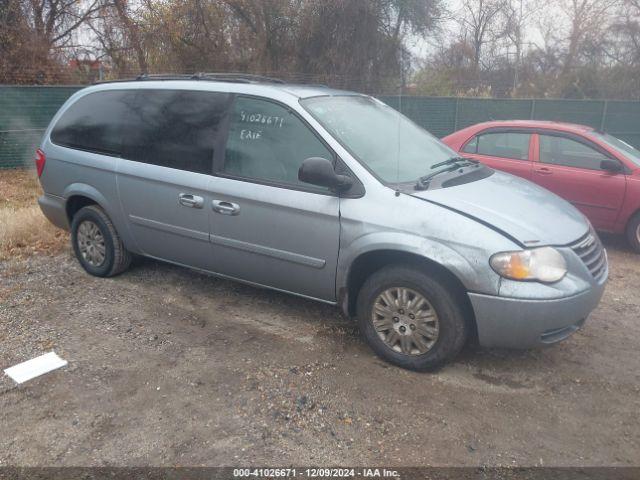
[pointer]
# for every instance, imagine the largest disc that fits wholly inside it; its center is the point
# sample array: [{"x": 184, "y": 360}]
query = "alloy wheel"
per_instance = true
[
  {"x": 405, "y": 321},
  {"x": 91, "y": 243}
]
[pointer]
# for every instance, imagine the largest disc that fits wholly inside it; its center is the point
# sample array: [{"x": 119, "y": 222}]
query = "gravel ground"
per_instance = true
[{"x": 171, "y": 367}]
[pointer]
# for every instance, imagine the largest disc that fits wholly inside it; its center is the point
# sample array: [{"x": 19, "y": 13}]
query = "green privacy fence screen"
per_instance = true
[
  {"x": 26, "y": 111},
  {"x": 442, "y": 116}
]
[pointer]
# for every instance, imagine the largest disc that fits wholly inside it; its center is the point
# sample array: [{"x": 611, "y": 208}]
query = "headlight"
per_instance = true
[{"x": 544, "y": 264}]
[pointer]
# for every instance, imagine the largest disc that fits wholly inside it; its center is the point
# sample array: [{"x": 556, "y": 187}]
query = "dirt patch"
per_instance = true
[
  {"x": 18, "y": 187},
  {"x": 24, "y": 230},
  {"x": 171, "y": 367}
]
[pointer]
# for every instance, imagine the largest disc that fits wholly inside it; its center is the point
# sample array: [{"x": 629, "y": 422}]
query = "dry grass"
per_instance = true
[{"x": 23, "y": 228}]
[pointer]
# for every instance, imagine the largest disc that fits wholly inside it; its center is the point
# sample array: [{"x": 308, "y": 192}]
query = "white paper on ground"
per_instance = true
[{"x": 35, "y": 367}]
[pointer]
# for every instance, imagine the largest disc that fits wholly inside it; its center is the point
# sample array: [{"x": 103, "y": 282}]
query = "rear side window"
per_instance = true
[
  {"x": 175, "y": 128},
  {"x": 95, "y": 122},
  {"x": 569, "y": 153},
  {"x": 267, "y": 142},
  {"x": 513, "y": 145}
]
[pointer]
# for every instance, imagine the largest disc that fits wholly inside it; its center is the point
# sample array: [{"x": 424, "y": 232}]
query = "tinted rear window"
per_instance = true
[
  {"x": 95, "y": 122},
  {"x": 170, "y": 128},
  {"x": 175, "y": 128}
]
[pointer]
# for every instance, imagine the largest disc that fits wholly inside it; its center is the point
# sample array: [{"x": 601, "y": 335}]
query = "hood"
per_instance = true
[{"x": 520, "y": 209}]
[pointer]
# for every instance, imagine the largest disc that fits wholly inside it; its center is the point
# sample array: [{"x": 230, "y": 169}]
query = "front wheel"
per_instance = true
[
  {"x": 633, "y": 232},
  {"x": 410, "y": 318}
]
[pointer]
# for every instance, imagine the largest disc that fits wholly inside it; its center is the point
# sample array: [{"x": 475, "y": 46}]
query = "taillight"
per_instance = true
[{"x": 41, "y": 159}]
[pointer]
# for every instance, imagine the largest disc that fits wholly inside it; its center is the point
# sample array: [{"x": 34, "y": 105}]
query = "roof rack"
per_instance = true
[
  {"x": 213, "y": 77},
  {"x": 238, "y": 77},
  {"x": 163, "y": 76},
  {"x": 219, "y": 77}
]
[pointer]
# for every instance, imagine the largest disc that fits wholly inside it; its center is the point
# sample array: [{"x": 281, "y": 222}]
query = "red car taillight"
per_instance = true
[{"x": 41, "y": 159}]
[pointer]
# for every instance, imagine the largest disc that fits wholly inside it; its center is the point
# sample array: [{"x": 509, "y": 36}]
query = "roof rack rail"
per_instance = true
[
  {"x": 146, "y": 76},
  {"x": 214, "y": 77},
  {"x": 165, "y": 76},
  {"x": 237, "y": 77}
]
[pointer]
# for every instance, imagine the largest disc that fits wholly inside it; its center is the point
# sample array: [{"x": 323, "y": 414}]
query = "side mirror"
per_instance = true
[
  {"x": 320, "y": 171},
  {"x": 609, "y": 165}
]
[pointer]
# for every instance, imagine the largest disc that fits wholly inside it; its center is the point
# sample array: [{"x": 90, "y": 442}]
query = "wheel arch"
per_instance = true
[
  {"x": 633, "y": 238},
  {"x": 370, "y": 261},
  {"x": 632, "y": 216},
  {"x": 75, "y": 203},
  {"x": 79, "y": 195}
]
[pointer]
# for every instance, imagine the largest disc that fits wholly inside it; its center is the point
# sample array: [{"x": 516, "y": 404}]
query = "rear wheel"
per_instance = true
[
  {"x": 410, "y": 318},
  {"x": 633, "y": 232},
  {"x": 96, "y": 243}
]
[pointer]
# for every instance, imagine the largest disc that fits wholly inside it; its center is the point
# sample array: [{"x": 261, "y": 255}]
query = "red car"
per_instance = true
[{"x": 596, "y": 172}]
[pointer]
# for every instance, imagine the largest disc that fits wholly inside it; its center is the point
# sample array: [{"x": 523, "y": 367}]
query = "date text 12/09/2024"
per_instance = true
[{"x": 315, "y": 472}]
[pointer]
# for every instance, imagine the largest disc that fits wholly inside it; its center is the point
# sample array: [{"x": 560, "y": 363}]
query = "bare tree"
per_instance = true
[
  {"x": 55, "y": 21},
  {"x": 479, "y": 22},
  {"x": 516, "y": 17},
  {"x": 588, "y": 20},
  {"x": 133, "y": 32}
]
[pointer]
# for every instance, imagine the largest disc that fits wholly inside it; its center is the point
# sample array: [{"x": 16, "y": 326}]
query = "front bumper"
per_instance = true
[{"x": 523, "y": 323}]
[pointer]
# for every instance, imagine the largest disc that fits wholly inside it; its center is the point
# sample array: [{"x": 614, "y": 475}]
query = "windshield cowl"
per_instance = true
[{"x": 451, "y": 177}]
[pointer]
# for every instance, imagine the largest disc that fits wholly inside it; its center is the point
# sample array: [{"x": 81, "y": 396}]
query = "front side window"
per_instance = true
[
  {"x": 393, "y": 147},
  {"x": 175, "y": 128},
  {"x": 557, "y": 150},
  {"x": 621, "y": 146},
  {"x": 94, "y": 123},
  {"x": 268, "y": 142},
  {"x": 504, "y": 144}
]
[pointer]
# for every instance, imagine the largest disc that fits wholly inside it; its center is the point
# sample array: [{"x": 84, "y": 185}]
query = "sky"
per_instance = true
[{"x": 421, "y": 48}]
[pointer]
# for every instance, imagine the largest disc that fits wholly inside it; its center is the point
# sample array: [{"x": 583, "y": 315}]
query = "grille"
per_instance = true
[{"x": 591, "y": 252}]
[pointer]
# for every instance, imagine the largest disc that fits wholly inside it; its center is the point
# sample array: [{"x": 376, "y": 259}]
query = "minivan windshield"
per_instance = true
[
  {"x": 394, "y": 148},
  {"x": 621, "y": 146}
]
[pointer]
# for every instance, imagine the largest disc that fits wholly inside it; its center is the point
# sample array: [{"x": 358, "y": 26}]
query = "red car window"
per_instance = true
[
  {"x": 569, "y": 153},
  {"x": 513, "y": 145}
]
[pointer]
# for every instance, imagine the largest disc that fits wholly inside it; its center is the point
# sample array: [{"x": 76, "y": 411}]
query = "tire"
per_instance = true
[
  {"x": 104, "y": 258},
  {"x": 452, "y": 327},
  {"x": 633, "y": 232}
]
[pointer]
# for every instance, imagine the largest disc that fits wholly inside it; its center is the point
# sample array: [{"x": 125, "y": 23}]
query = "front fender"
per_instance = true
[{"x": 467, "y": 263}]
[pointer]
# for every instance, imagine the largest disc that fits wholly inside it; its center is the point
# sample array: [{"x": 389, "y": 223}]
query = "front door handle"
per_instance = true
[
  {"x": 188, "y": 200},
  {"x": 543, "y": 171},
  {"x": 225, "y": 208}
]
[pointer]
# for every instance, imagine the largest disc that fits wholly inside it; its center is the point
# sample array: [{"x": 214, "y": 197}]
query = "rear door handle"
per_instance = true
[
  {"x": 188, "y": 200},
  {"x": 225, "y": 208},
  {"x": 544, "y": 171}
]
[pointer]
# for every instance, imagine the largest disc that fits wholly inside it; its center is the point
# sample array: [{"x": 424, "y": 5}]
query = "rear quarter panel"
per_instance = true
[{"x": 71, "y": 172}]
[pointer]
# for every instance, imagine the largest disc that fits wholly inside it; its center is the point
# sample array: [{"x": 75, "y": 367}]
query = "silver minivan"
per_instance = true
[{"x": 326, "y": 194}]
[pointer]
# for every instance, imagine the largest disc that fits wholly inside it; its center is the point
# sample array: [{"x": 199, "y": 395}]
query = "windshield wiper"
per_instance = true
[
  {"x": 458, "y": 161},
  {"x": 454, "y": 164},
  {"x": 423, "y": 182}
]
